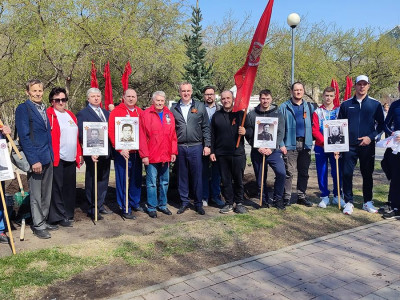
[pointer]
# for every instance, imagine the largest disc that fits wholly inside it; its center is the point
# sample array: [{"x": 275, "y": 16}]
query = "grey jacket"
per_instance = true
[{"x": 197, "y": 129}]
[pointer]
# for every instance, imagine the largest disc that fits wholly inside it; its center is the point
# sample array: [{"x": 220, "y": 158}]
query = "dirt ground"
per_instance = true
[{"x": 113, "y": 279}]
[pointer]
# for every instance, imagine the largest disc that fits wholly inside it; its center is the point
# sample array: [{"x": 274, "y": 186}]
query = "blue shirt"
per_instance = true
[
  {"x": 160, "y": 114},
  {"x": 299, "y": 115}
]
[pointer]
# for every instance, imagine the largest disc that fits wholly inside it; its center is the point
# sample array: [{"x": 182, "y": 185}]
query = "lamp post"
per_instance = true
[{"x": 293, "y": 20}]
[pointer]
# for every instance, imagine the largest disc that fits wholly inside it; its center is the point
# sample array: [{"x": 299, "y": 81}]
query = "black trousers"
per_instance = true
[
  {"x": 366, "y": 155},
  {"x": 232, "y": 169},
  {"x": 103, "y": 174},
  {"x": 394, "y": 189},
  {"x": 63, "y": 194}
]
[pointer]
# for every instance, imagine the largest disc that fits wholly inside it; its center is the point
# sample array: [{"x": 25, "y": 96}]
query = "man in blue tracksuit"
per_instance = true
[
  {"x": 297, "y": 142},
  {"x": 365, "y": 117},
  {"x": 273, "y": 157},
  {"x": 392, "y": 124}
]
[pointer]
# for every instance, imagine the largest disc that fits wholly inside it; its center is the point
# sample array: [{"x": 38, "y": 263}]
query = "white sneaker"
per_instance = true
[
  {"x": 205, "y": 202},
  {"x": 335, "y": 201},
  {"x": 369, "y": 207},
  {"x": 324, "y": 202},
  {"x": 348, "y": 208}
]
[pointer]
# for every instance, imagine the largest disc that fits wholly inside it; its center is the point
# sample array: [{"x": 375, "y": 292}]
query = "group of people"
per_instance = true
[{"x": 206, "y": 143}]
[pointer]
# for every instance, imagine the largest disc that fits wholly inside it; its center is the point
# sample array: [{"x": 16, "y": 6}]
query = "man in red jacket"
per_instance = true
[
  {"x": 127, "y": 108},
  {"x": 158, "y": 147}
]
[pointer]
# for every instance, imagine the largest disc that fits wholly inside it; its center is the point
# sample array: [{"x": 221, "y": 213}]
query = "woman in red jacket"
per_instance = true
[{"x": 67, "y": 156}]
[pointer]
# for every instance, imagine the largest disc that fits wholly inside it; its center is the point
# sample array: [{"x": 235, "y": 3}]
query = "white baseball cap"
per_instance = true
[{"x": 362, "y": 77}]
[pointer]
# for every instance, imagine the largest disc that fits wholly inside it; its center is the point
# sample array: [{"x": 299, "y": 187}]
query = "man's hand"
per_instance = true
[
  {"x": 365, "y": 141},
  {"x": 397, "y": 137},
  {"x": 265, "y": 151},
  {"x": 173, "y": 158},
  {"x": 206, "y": 151},
  {"x": 95, "y": 158},
  {"x": 337, "y": 155},
  {"x": 284, "y": 150},
  {"x": 145, "y": 161},
  {"x": 213, "y": 157},
  {"x": 125, "y": 153},
  {"x": 5, "y": 129},
  {"x": 37, "y": 168},
  {"x": 242, "y": 130}
]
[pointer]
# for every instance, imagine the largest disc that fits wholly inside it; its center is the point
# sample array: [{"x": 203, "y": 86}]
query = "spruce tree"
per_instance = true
[{"x": 197, "y": 72}]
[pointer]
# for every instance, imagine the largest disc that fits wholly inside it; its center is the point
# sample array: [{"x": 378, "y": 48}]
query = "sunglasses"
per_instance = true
[{"x": 60, "y": 100}]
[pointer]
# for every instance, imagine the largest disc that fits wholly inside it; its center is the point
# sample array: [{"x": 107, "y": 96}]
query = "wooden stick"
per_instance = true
[
  {"x": 7, "y": 220},
  {"x": 12, "y": 142},
  {"x": 20, "y": 183},
  {"x": 239, "y": 137},
  {"x": 126, "y": 185},
  {"x": 337, "y": 178},
  {"x": 262, "y": 181},
  {"x": 95, "y": 191}
]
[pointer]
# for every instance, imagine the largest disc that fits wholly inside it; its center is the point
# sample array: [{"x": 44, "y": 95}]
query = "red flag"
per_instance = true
[
  {"x": 349, "y": 85},
  {"x": 245, "y": 76},
  {"x": 125, "y": 76},
  {"x": 108, "y": 96},
  {"x": 336, "y": 101},
  {"x": 93, "y": 77}
]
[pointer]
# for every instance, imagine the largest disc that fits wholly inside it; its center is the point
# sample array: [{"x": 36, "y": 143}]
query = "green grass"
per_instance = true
[{"x": 38, "y": 268}]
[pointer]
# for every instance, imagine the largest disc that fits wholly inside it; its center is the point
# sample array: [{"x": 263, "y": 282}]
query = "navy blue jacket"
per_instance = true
[
  {"x": 37, "y": 148},
  {"x": 392, "y": 121},
  {"x": 365, "y": 121}
]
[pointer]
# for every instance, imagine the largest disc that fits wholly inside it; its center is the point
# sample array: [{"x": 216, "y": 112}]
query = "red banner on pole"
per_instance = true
[
  {"x": 349, "y": 86},
  {"x": 245, "y": 76},
  {"x": 108, "y": 95},
  {"x": 93, "y": 77},
  {"x": 125, "y": 76},
  {"x": 335, "y": 85}
]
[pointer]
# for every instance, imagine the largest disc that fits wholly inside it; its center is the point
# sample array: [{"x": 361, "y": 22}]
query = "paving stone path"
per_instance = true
[{"x": 360, "y": 263}]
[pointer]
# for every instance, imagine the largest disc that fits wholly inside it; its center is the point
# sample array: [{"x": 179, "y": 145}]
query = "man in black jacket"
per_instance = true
[
  {"x": 193, "y": 133},
  {"x": 274, "y": 156},
  {"x": 365, "y": 117},
  {"x": 225, "y": 129}
]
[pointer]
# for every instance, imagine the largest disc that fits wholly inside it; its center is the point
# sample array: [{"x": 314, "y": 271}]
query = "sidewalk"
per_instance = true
[{"x": 360, "y": 263}]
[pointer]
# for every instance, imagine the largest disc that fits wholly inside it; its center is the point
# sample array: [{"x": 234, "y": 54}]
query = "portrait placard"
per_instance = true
[
  {"x": 126, "y": 133},
  {"x": 95, "y": 138},
  {"x": 265, "y": 132},
  {"x": 6, "y": 170},
  {"x": 336, "y": 135}
]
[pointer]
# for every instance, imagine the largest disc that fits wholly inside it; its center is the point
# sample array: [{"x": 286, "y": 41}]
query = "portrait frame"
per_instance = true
[
  {"x": 268, "y": 138},
  {"x": 93, "y": 145},
  {"x": 6, "y": 167},
  {"x": 124, "y": 139},
  {"x": 336, "y": 135}
]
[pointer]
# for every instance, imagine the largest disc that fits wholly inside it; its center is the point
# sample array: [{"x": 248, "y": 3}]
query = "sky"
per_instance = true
[{"x": 381, "y": 15}]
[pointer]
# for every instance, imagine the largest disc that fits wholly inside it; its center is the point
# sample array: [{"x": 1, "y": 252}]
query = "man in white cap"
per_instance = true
[{"x": 365, "y": 117}]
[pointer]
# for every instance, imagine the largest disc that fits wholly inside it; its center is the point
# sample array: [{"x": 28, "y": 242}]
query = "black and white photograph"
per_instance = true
[
  {"x": 336, "y": 135},
  {"x": 266, "y": 132},
  {"x": 95, "y": 138},
  {"x": 126, "y": 133},
  {"x": 6, "y": 170}
]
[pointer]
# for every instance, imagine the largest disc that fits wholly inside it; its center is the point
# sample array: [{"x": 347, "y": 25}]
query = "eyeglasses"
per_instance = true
[{"x": 60, "y": 100}]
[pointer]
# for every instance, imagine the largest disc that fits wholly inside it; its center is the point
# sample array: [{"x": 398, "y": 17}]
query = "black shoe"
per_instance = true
[
  {"x": 165, "y": 211},
  {"x": 65, "y": 223},
  {"x": 200, "y": 210},
  {"x": 152, "y": 214},
  {"x": 99, "y": 217},
  {"x": 139, "y": 208},
  {"x": 226, "y": 209},
  {"x": 304, "y": 202},
  {"x": 105, "y": 211},
  {"x": 393, "y": 214},
  {"x": 129, "y": 216},
  {"x": 3, "y": 238},
  {"x": 42, "y": 233},
  {"x": 51, "y": 227},
  {"x": 182, "y": 209},
  {"x": 279, "y": 204},
  {"x": 240, "y": 209},
  {"x": 384, "y": 209},
  {"x": 287, "y": 202}
]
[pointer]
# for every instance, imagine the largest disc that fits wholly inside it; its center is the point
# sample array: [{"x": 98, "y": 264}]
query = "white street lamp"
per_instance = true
[{"x": 293, "y": 20}]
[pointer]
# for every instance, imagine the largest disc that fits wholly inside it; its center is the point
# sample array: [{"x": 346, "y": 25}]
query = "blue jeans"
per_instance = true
[
  {"x": 156, "y": 171},
  {"x": 2, "y": 226},
  {"x": 211, "y": 179},
  {"x": 321, "y": 162},
  {"x": 135, "y": 180}
]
